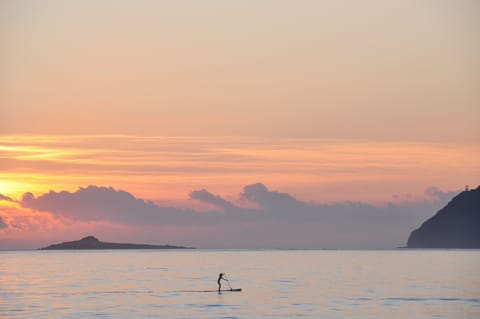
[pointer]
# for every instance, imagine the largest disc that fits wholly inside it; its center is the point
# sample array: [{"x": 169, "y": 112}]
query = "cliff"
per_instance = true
[
  {"x": 457, "y": 225},
  {"x": 91, "y": 242}
]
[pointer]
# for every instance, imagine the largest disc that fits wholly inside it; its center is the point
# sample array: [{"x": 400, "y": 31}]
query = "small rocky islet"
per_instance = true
[{"x": 91, "y": 242}]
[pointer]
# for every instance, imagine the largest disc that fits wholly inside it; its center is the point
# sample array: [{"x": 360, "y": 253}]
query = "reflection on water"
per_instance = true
[{"x": 275, "y": 284}]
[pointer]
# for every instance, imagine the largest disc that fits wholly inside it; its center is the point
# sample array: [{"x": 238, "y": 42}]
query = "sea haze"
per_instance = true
[{"x": 275, "y": 284}]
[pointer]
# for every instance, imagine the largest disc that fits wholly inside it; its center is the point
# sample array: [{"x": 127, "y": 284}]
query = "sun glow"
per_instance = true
[
  {"x": 13, "y": 189},
  {"x": 168, "y": 168}
]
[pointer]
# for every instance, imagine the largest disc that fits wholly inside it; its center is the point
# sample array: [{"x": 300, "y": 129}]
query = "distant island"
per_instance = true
[
  {"x": 457, "y": 225},
  {"x": 91, "y": 242}
]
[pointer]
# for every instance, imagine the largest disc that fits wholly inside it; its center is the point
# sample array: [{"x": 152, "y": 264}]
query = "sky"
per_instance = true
[{"x": 230, "y": 124}]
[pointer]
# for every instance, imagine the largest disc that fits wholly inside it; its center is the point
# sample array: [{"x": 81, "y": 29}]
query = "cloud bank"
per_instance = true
[
  {"x": 95, "y": 203},
  {"x": 276, "y": 220}
]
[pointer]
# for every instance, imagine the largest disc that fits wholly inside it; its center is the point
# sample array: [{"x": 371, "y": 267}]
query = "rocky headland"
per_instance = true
[{"x": 457, "y": 225}]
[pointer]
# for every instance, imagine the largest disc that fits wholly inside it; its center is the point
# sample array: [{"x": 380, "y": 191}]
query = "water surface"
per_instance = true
[{"x": 275, "y": 284}]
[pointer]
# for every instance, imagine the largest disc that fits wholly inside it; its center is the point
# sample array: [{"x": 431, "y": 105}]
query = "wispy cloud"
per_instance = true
[
  {"x": 6, "y": 198},
  {"x": 161, "y": 167}
]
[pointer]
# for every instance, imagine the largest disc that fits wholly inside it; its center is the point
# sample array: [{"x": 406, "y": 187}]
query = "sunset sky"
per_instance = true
[{"x": 344, "y": 124}]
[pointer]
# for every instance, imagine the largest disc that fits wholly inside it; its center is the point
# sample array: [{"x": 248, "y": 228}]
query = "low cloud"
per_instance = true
[
  {"x": 3, "y": 224},
  {"x": 95, "y": 203},
  {"x": 278, "y": 219},
  {"x": 435, "y": 193},
  {"x": 268, "y": 200},
  {"x": 209, "y": 198}
]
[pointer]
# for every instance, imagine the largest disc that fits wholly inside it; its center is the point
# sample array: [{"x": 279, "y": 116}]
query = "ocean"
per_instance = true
[{"x": 275, "y": 284}]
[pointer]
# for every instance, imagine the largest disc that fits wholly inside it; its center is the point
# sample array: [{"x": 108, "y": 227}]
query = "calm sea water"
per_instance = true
[{"x": 276, "y": 284}]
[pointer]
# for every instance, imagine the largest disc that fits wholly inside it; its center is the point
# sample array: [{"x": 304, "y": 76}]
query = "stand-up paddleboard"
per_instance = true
[{"x": 223, "y": 290}]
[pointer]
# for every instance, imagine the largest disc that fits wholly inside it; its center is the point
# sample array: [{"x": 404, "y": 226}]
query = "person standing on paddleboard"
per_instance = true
[{"x": 220, "y": 277}]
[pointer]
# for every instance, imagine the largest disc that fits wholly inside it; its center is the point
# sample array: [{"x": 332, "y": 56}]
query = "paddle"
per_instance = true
[{"x": 228, "y": 282}]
